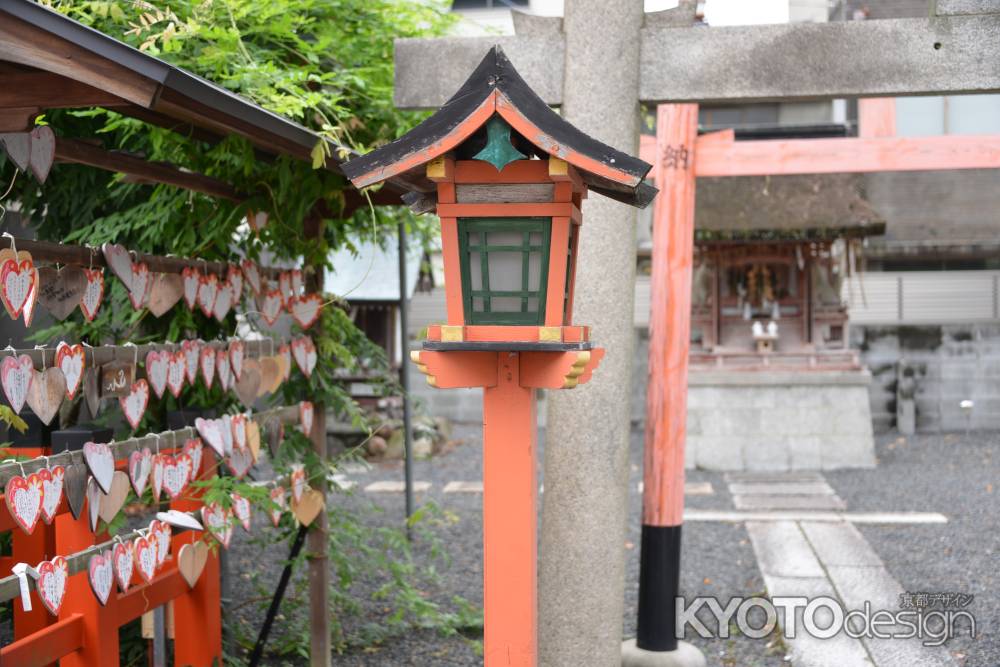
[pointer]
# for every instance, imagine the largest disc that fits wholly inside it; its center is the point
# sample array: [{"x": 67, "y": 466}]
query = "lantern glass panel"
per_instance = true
[
  {"x": 505, "y": 271},
  {"x": 504, "y": 263}
]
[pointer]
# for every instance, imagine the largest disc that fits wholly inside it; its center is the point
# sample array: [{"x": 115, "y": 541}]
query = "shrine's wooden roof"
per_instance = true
[
  {"x": 766, "y": 208},
  {"x": 48, "y": 60},
  {"x": 495, "y": 87}
]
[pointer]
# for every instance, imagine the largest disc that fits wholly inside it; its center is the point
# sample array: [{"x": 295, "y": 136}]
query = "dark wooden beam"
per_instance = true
[
  {"x": 77, "y": 255},
  {"x": 51, "y": 91},
  {"x": 18, "y": 119},
  {"x": 80, "y": 152}
]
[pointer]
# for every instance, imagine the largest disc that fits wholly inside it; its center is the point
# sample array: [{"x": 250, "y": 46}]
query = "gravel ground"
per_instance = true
[
  {"x": 721, "y": 572},
  {"x": 956, "y": 475}
]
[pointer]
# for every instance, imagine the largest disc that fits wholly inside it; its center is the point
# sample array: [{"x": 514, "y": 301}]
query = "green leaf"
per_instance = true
[{"x": 9, "y": 417}]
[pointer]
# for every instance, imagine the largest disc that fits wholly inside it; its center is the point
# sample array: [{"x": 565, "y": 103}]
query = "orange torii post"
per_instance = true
[
  {"x": 509, "y": 176},
  {"x": 666, "y": 394}
]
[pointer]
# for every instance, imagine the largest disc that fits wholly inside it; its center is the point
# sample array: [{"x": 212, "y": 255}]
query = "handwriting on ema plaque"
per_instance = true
[{"x": 116, "y": 378}]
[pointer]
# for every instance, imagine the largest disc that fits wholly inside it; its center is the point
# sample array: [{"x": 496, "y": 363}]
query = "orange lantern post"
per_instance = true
[{"x": 508, "y": 175}]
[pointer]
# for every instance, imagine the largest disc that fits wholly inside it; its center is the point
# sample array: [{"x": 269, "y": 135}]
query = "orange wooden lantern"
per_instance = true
[{"x": 509, "y": 176}]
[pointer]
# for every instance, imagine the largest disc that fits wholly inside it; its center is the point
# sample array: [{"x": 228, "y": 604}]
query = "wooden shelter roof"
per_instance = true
[
  {"x": 769, "y": 208},
  {"x": 495, "y": 87},
  {"x": 48, "y": 60}
]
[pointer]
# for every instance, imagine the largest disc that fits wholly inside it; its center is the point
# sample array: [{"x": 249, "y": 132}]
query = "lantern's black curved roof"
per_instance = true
[{"x": 496, "y": 87}]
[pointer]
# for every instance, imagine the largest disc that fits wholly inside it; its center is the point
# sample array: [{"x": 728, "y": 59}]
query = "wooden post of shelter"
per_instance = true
[{"x": 317, "y": 540}]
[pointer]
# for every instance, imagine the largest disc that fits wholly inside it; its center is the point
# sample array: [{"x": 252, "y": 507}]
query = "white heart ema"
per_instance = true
[
  {"x": 156, "y": 371},
  {"x": 102, "y": 576},
  {"x": 16, "y": 374},
  {"x": 135, "y": 402},
  {"x": 210, "y": 431},
  {"x": 70, "y": 360},
  {"x": 101, "y": 463}
]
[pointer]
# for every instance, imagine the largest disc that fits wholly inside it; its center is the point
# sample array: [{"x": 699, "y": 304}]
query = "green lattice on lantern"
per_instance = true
[
  {"x": 499, "y": 151},
  {"x": 505, "y": 269}
]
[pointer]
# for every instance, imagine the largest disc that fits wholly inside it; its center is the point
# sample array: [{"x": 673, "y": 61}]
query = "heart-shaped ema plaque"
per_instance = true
[
  {"x": 101, "y": 463},
  {"x": 191, "y": 278},
  {"x": 75, "y": 487},
  {"x": 208, "y": 290},
  {"x": 304, "y": 352},
  {"x": 191, "y": 560},
  {"x": 46, "y": 393},
  {"x": 123, "y": 559},
  {"x": 18, "y": 278},
  {"x": 218, "y": 522},
  {"x": 247, "y": 387},
  {"x": 308, "y": 508},
  {"x": 240, "y": 462},
  {"x": 24, "y": 500},
  {"x": 60, "y": 290},
  {"x": 279, "y": 504},
  {"x": 112, "y": 502},
  {"x": 306, "y": 412},
  {"x": 191, "y": 349},
  {"x": 241, "y": 510},
  {"x": 90, "y": 300},
  {"x": 71, "y": 360},
  {"x": 53, "y": 480},
  {"x": 142, "y": 282},
  {"x": 51, "y": 585},
  {"x": 207, "y": 365},
  {"x": 140, "y": 467},
  {"x": 16, "y": 376},
  {"x": 176, "y": 372},
  {"x": 305, "y": 309},
  {"x": 252, "y": 275},
  {"x": 164, "y": 293},
  {"x": 210, "y": 431},
  {"x": 134, "y": 403},
  {"x": 144, "y": 548},
  {"x": 157, "y": 363},
  {"x": 101, "y": 574}
]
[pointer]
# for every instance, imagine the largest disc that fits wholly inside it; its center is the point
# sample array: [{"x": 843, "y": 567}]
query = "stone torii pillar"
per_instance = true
[{"x": 581, "y": 572}]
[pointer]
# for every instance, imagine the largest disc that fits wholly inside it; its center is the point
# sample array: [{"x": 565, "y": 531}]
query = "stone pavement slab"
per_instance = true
[
  {"x": 782, "y": 550},
  {"x": 391, "y": 486},
  {"x": 781, "y": 488},
  {"x": 840, "y": 544},
  {"x": 788, "y": 502}
]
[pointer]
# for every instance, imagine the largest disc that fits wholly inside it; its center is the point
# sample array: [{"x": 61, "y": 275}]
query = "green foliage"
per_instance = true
[
  {"x": 377, "y": 576},
  {"x": 10, "y": 418}
]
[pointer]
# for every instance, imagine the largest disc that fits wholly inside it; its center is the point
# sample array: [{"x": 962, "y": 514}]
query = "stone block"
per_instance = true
[
  {"x": 804, "y": 453},
  {"x": 766, "y": 454},
  {"x": 716, "y": 452}
]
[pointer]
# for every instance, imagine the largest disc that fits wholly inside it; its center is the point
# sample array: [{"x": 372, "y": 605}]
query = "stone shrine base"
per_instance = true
[{"x": 779, "y": 420}]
